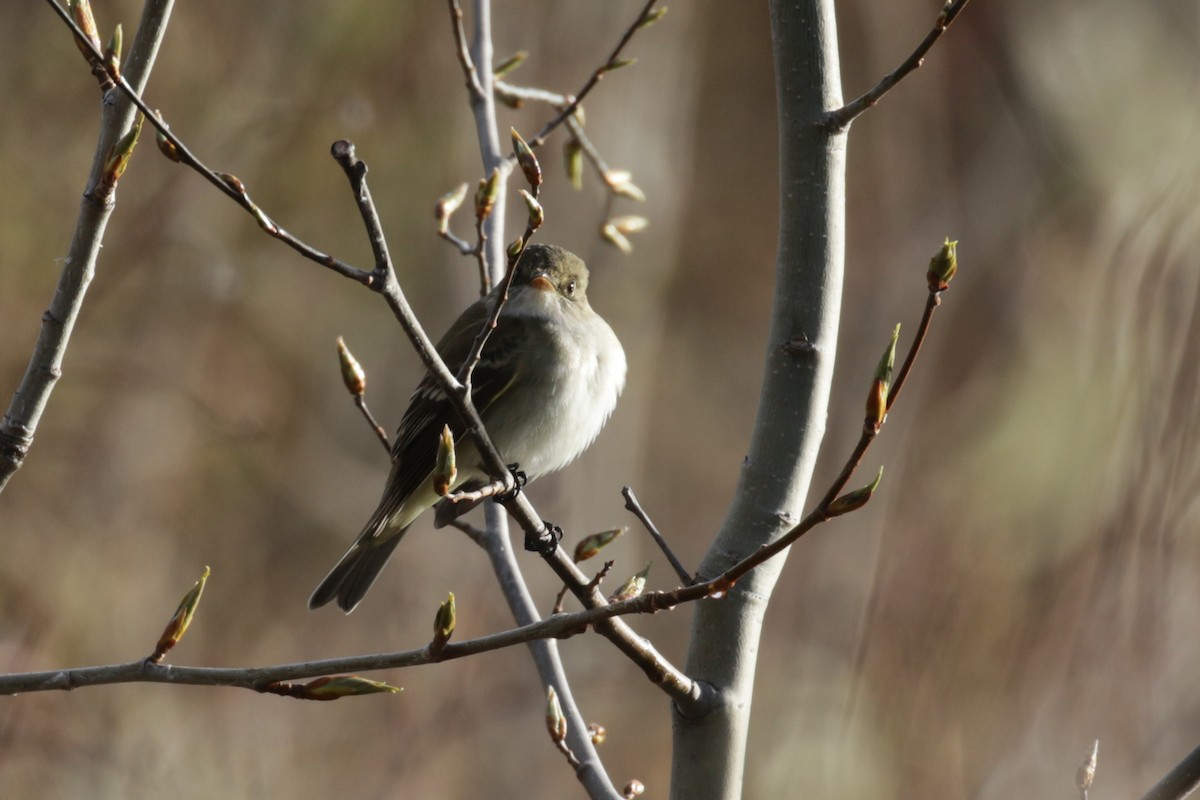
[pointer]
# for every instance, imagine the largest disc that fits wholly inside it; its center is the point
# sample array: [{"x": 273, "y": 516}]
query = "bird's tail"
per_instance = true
[{"x": 354, "y": 574}]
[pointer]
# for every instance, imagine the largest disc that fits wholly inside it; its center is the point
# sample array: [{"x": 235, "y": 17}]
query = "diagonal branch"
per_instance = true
[
  {"x": 29, "y": 402},
  {"x": 841, "y": 117}
]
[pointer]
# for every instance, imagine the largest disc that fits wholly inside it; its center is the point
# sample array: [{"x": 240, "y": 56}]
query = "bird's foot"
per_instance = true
[
  {"x": 547, "y": 541},
  {"x": 519, "y": 481}
]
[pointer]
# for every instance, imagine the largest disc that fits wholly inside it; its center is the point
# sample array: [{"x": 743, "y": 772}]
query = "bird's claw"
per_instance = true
[
  {"x": 519, "y": 480},
  {"x": 546, "y": 543}
]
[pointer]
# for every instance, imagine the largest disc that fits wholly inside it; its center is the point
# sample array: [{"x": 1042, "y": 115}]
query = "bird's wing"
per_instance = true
[{"x": 415, "y": 449}]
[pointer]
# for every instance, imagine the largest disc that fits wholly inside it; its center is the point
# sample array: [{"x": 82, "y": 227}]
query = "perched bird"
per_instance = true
[{"x": 545, "y": 385}]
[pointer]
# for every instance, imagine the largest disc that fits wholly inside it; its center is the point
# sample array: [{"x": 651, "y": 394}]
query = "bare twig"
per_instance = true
[
  {"x": 841, "y": 117},
  {"x": 464, "y": 55},
  {"x": 380, "y": 433},
  {"x": 631, "y": 503},
  {"x": 594, "y": 78}
]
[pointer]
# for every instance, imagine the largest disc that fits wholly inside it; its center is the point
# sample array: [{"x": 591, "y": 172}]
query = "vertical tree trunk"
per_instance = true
[{"x": 710, "y": 735}]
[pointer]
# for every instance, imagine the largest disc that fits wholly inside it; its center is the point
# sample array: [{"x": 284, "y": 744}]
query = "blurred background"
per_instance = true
[{"x": 1026, "y": 582}]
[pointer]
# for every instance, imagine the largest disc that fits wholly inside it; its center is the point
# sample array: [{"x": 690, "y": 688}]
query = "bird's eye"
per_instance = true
[{"x": 570, "y": 288}]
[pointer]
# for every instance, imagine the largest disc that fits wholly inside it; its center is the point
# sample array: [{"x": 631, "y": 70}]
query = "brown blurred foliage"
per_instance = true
[{"x": 1025, "y": 581}]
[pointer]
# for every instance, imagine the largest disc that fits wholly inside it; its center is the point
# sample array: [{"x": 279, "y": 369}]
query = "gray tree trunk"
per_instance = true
[{"x": 710, "y": 735}]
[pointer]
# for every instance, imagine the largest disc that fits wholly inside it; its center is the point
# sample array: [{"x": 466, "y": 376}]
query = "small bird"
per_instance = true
[{"x": 547, "y": 381}]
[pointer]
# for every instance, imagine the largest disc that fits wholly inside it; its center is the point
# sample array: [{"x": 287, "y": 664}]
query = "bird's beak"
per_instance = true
[{"x": 542, "y": 283}]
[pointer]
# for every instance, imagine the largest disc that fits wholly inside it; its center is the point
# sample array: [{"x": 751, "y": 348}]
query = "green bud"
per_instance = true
[
  {"x": 447, "y": 204},
  {"x": 120, "y": 153},
  {"x": 617, "y": 63},
  {"x": 630, "y": 223},
  {"x": 443, "y": 622},
  {"x": 556, "y": 721},
  {"x": 652, "y": 17},
  {"x": 485, "y": 196},
  {"x": 852, "y": 501},
  {"x": 165, "y": 145},
  {"x": 633, "y": 587},
  {"x": 573, "y": 160},
  {"x": 943, "y": 266},
  {"x": 590, "y": 546},
  {"x": 614, "y": 237},
  {"x": 445, "y": 468},
  {"x": 112, "y": 52},
  {"x": 509, "y": 64},
  {"x": 527, "y": 160},
  {"x": 339, "y": 686},
  {"x": 353, "y": 376},
  {"x": 877, "y": 398},
  {"x": 537, "y": 214},
  {"x": 81, "y": 12},
  {"x": 182, "y": 618},
  {"x": 619, "y": 181}
]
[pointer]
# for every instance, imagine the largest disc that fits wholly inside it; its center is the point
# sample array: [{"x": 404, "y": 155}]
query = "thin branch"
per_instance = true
[
  {"x": 258, "y": 678},
  {"x": 841, "y": 117},
  {"x": 631, "y": 503},
  {"x": 594, "y": 78},
  {"x": 1180, "y": 781},
  {"x": 29, "y": 401},
  {"x": 380, "y": 433},
  {"x": 931, "y": 304},
  {"x": 228, "y": 184},
  {"x": 464, "y": 55}
]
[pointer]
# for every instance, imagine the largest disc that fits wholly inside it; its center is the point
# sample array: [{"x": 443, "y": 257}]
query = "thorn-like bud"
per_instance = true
[
  {"x": 610, "y": 234},
  {"x": 509, "y": 64},
  {"x": 652, "y": 17},
  {"x": 112, "y": 52},
  {"x": 339, "y": 686},
  {"x": 573, "y": 161},
  {"x": 634, "y": 788},
  {"x": 527, "y": 160},
  {"x": 881, "y": 385},
  {"x": 943, "y": 266},
  {"x": 537, "y": 215},
  {"x": 617, "y": 63},
  {"x": 445, "y": 470},
  {"x": 556, "y": 721},
  {"x": 852, "y": 501},
  {"x": 120, "y": 153},
  {"x": 165, "y": 145},
  {"x": 443, "y": 623},
  {"x": 447, "y": 204},
  {"x": 486, "y": 194},
  {"x": 353, "y": 375},
  {"x": 181, "y": 619},
  {"x": 633, "y": 587},
  {"x": 590, "y": 546},
  {"x": 620, "y": 183},
  {"x": 598, "y": 733},
  {"x": 1087, "y": 770},
  {"x": 81, "y": 12}
]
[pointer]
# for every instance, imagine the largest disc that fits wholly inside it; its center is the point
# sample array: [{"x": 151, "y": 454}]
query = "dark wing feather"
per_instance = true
[{"x": 415, "y": 448}]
